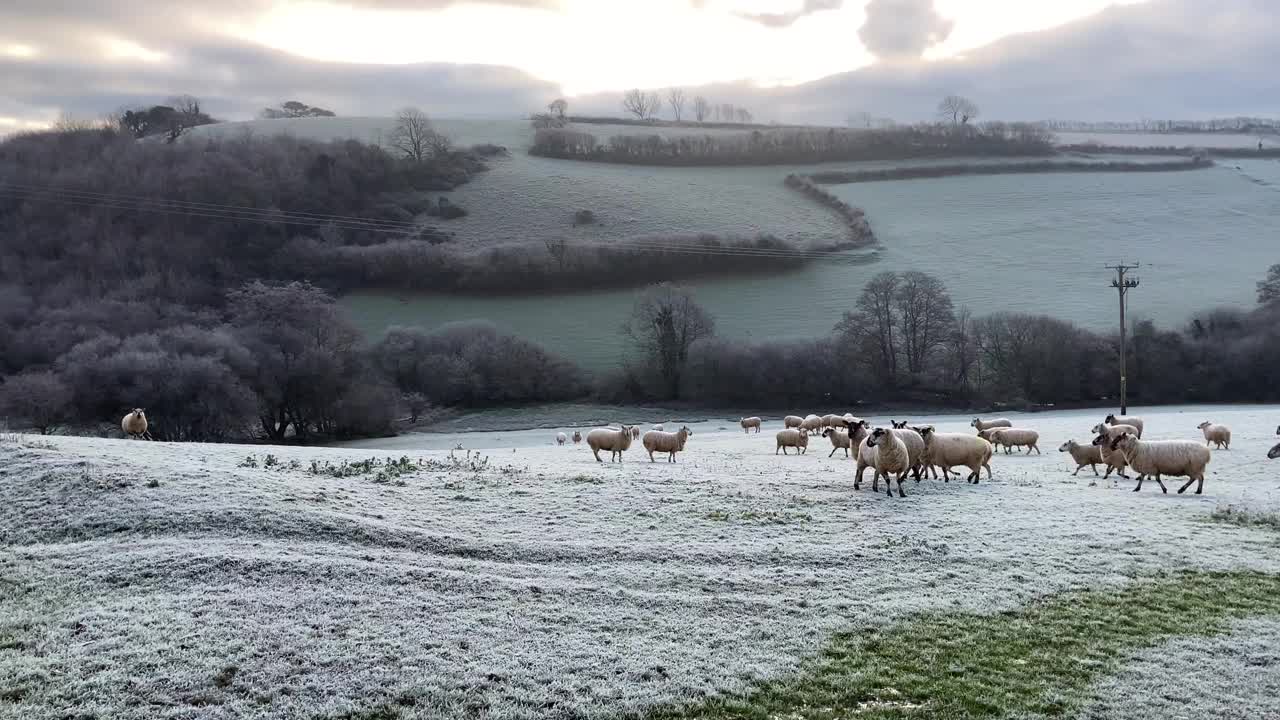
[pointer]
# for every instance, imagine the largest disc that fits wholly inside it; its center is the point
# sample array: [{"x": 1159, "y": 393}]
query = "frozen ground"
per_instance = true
[{"x": 544, "y": 584}]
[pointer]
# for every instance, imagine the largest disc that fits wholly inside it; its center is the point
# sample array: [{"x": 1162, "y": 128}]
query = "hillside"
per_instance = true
[{"x": 208, "y": 580}]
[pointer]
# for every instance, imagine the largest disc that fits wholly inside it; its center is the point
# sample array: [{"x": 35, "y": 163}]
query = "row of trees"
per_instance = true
[
  {"x": 646, "y": 104},
  {"x": 799, "y": 145},
  {"x": 169, "y": 120}
]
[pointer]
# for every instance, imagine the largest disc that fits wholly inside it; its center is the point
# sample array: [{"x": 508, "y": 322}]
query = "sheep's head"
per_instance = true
[
  {"x": 876, "y": 436},
  {"x": 1203, "y": 425},
  {"x": 919, "y": 429},
  {"x": 827, "y": 432},
  {"x": 926, "y": 432},
  {"x": 975, "y": 423},
  {"x": 1111, "y": 420},
  {"x": 1124, "y": 442},
  {"x": 138, "y": 413},
  {"x": 1274, "y": 452},
  {"x": 1068, "y": 446},
  {"x": 1101, "y": 440},
  {"x": 1100, "y": 429},
  {"x": 898, "y": 425}
]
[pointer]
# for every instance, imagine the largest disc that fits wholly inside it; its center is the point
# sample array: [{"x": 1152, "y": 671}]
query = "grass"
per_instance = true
[
  {"x": 1038, "y": 660},
  {"x": 1244, "y": 517}
]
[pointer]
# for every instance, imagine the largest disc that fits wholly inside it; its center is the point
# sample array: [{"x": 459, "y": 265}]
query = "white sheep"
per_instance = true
[
  {"x": 946, "y": 450},
  {"x": 792, "y": 437},
  {"x": 1133, "y": 420},
  {"x": 1016, "y": 437},
  {"x": 981, "y": 424},
  {"x": 635, "y": 432},
  {"x": 986, "y": 434},
  {"x": 915, "y": 448},
  {"x": 751, "y": 422},
  {"x": 657, "y": 427},
  {"x": 845, "y": 439},
  {"x": 1114, "y": 459},
  {"x": 1113, "y": 431},
  {"x": 1164, "y": 457},
  {"x": 812, "y": 424},
  {"x": 888, "y": 456},
  {"x": 577, "y": 437},
  {"x": 135, "y": 424},
  {"x": 670, "y": 443},
  {"x": 792, "y": 421},
  {"x": 561, "y": 438},
  {"x": 1219, "y": 435},
  {"x": 1083, "y": 455},
  {"x": 615, "y": 441}
]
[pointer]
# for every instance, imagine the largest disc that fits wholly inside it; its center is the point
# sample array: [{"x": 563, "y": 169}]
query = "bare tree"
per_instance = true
[
  {"x": 414, "y": 137},
  {"x": 925, "y": 317},
  {"x": 744, "y": 115},
  {"x": 871, "y": 331},
  {"x": 726, "y": 112},
  {"x": 959, "y": 110},
  {"x": 676, "y": 100},
  {"x": 38, "y": 398},
  {"x": 643, "y": 105},
  {"x": 701, "y": 108},
  {"x": 664, "y": 323},
  {"x": 558, "y": 108}
]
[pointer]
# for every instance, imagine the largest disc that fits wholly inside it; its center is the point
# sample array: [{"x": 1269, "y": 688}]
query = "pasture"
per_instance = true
[{"x": 520, "y": 579}]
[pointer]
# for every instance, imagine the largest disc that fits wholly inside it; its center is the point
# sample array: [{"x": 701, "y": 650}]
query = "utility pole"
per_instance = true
[{"x": 1123, "y": 285}]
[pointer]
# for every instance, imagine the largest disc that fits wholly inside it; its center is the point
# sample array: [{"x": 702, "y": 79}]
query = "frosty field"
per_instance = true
[{"x": 144, "y": 580}]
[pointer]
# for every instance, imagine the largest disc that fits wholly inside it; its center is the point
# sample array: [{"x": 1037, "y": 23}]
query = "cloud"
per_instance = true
[
  {"x": 438, "y": 4},
  {"x": 902, "y": 29},
  {"x": 786, "y": 19}
]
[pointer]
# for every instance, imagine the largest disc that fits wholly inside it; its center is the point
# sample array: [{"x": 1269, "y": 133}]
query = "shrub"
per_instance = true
[{"x": 40, "y": 398}]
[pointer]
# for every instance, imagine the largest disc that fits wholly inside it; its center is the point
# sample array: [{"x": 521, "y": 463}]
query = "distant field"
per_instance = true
[{"x": 1203, "y": 140}]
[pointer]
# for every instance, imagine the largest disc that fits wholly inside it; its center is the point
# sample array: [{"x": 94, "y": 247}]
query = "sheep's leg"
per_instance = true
[
  {"x": 901, "y": 492},
  {"x": 989, "y": 476},
  {"x": 1077, "y": 472},
  {"x": 1037, "y": 447},
  {"x": 596, "y": 452},
  {"x": 1139, "y": 487},
  {"x": 1160, "y": 482},
  {"x": 1190, "y": 479},
  {"x": 1095, "y": 468},
  {"x": 833, "y": 451},
  {"x": 651, "y": 456},
  {"x": 875, "y": 480}
]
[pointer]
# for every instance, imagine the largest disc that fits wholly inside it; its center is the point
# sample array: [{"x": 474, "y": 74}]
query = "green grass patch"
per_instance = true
[
  {"x": 1237, "y": 515},
  {"x": 1035, "y": 661}
]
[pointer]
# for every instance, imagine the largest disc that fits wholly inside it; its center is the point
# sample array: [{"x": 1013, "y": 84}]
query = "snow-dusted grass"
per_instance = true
[{"x": 539, "y": 582}]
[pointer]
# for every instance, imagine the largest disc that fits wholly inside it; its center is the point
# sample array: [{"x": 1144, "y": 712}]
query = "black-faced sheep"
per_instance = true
[
  {"x": 792, "y": 438},
  {"x": 577, "y": 437},
  {"x": 888, "y": 457},
  {"x": 670, "y": 443},
  {"x": 1164, "y": 457},
  {"x": 1083, "y": 455},
  {"x": 1219, "y": 435},
  {"x": 134, "y": 424},
  {"x": 615, "y": 441},
  {"x": 561, "y": 438},
  {"x": 1114, "y": 459}
]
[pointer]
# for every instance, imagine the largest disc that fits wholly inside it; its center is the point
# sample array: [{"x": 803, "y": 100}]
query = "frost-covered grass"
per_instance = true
[
  {"x": 1036, "y": 661},
  {"x": 536, "y": 582},
  {"x": 1246, "y": 516}
]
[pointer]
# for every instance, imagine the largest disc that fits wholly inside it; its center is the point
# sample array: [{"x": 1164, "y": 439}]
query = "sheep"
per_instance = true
[
  {"x": 751, "y": 422},
  {"x": 615, "y": 441},
  {"x": 577, "y": 437},
  {"x": 829, "y": 420},
  {"x": 792, "y": 437},
  {"x": 135, "y": 424},
  {"x": 1219, "y": 435},
  {"x": 1113, "y": 431},
  {"x": 1016, "y": 437},
  {"x": 1165, "y": 457},
  {"x": 1083, "y": 455},
  {"x": 915, "y": 448},
  {"x": 561, "y": 438},
  {"x": 670, "y": 443},
  {"x": 946, "y": 450},
  {"x": 887, "y": 455},
  {"x": 635, "y": 432},
  {"x": 657, "y": 427},
  {"x": 1114, "y": 459},
  {"x": 846, "y": 440},
  {"x": 986, "y": 434},
  {"x": 812, "y": 424},
  {"x": 1133, "y": 420},
  {"x": 1274, "y": 452},
  {"x": 981, "y": 424},
  {"x": 792, "y": 421},
  {"x": 898, "y": 425}
]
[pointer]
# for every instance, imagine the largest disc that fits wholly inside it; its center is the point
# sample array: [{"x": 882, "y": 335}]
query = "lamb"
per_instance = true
[
  {"x": 946, "y": 450},
  {"x": 1219, "y": 435},
  {"x": 1083, "y": 455},
  {"x": 792, "y": 437},
  {"x": 1016, "y": 437},
  {"x": 792, "y": 421},
  {"x": 751, "y": 422},
  {"x": 888, "y": 456},
  {"x": 561, "y": 438},
  {"x": 812, "y": 424},
  {"x": 670, "y": 443},
  {"x": 981, "y": 424},
  {"x": 1126, "y": 420},
  {"x": 577, "y": 437},
  {"x": 1165, "y": 457},
  {"x": 135, "y": 424},
  {"x": 845, "y": 439},
  {"x": 1114, "y": 459},
  {"x": 615, "y": 441}
]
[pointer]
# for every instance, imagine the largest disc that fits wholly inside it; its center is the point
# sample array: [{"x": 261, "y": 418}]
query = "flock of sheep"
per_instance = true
[{"x": 896, "y": 451}]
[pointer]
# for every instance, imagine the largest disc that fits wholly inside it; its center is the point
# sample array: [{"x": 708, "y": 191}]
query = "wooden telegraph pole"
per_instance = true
[{"x": 1123, "y": 285}]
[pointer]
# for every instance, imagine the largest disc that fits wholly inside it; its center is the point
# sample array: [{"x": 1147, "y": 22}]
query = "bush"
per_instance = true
[{"x": 39, "y": 398}]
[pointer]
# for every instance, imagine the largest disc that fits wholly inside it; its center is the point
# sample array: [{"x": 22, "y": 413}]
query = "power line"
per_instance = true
[{"x": 1123, "y": 285}]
